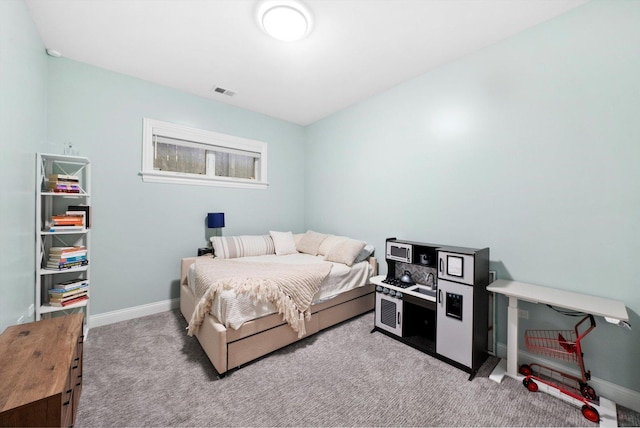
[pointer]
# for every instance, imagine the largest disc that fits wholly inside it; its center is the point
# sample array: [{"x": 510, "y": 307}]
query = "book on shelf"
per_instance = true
[
  {"x": 66, "y": 250},
  {"x": 64, "y": 187},
  {"x": 68, "y": 299},
  {"x": 68, "y": 294},
  {"x": 72, "y": 284},
  {"x": 81, "y": 261},
  {"x": 70, "y": 302},
  {"x": 65, "y": 256},
  {"x": 61, "y": 266},
  {"x": 69, "y": 224},
  {"x": 67, "y": 215},
  {"x": 63, "y": 177},
  {"x": 63, "y": 183},
  {"x": 53, "y": 295},
  {"x": 86, "y": 209},
  {"x": 80, "y": 213},
  {"x": 68, "y": 259},
  {"x": 68, "y": 219},
  {"x": 62, "y": 220},
  {"x": 54, "y": 229}
]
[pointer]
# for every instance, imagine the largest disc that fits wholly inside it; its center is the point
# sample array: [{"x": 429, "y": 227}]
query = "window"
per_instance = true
[{"x": 180, "y": 154}]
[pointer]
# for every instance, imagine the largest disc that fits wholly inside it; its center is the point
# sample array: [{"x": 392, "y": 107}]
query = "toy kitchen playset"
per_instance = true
[{"x": 434, "y": 298}]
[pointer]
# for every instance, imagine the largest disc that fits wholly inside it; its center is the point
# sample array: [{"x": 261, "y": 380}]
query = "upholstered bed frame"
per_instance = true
[{"x": 229, "y": 349}]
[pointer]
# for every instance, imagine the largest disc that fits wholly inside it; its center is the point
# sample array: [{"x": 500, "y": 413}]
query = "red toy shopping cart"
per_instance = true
[{"x": 563, "y": 345}]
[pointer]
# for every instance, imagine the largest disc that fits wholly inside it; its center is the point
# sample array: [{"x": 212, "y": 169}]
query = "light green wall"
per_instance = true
[
  {"x": 142, "y": 230},
  {"x": 530, "y": 147},
  {"x": 23, "y": 71}
]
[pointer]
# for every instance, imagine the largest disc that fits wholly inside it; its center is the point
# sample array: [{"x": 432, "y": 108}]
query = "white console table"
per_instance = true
[{"x": 613, "y": 310}]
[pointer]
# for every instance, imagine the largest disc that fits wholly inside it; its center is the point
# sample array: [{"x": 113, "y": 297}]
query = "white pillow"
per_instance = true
[
  {"x": 345, "y": 251},
  {"x": 310, "y": 242},
  {"x": 284, "y": 243},
  {"x": 230, "y": 247},
  {"x": 328, "y": 243}
]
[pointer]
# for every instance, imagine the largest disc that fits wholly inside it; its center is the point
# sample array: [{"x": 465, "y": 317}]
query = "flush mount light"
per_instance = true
[{"x": 283, "y": 20}]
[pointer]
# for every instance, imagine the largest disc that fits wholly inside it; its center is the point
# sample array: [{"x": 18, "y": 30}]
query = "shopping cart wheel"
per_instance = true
[
  {"x": 526, "y": 370},
  {"x": 529, "y": 384},
  {"x": 590, "y": 413},
  {"x": 588, "y": 392}
]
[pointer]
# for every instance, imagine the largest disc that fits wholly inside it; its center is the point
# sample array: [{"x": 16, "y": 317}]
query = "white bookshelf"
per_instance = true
[{"x": 50, "y": 203}]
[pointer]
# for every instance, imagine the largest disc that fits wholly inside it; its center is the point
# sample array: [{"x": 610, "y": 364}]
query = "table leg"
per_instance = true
[
  {"x": 510, "y": 366},
  {"x": 512, "y": 337}
]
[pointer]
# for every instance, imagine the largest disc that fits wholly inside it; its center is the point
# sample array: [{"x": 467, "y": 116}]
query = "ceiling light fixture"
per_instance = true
[{"x": 288, "y": 21}]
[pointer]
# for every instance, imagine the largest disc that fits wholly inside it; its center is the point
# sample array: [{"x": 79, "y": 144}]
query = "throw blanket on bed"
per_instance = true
[{"x": 289, "y": 287}]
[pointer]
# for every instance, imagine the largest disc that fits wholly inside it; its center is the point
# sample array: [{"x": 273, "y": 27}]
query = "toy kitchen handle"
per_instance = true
[
  {"x": 439, "y": 296},
  {"x": 440, "y": 268}
]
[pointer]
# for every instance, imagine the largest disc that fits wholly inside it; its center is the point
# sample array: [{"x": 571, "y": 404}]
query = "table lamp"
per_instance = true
[{"x": 215, "y": 220}]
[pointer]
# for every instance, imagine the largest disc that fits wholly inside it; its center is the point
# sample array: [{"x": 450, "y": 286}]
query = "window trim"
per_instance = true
[{"x": 206, "y": 139}]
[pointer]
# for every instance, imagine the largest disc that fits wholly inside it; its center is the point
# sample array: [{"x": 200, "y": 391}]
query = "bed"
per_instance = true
[{"x": 235, "y": 329}]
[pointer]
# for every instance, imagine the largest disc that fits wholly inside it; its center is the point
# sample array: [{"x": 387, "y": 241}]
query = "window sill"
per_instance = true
[{"x": 200, "y": 180}]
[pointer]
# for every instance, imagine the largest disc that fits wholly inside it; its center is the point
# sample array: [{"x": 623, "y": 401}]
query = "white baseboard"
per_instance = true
[
  {"x": 131, "y": 313},
  {"x": 616, "y": 393}
]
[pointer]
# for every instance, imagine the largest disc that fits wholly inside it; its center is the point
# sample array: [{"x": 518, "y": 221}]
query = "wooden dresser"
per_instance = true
[{"x": 41, "y": 372}]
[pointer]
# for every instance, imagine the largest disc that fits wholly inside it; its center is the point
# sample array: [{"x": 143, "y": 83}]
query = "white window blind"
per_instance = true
[
  {"x": 196, "y": 145},
  {"x": 179, "y": 154}
]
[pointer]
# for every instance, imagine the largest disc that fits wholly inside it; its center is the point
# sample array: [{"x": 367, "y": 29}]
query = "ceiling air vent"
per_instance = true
[{"x": 224, "y": 91}]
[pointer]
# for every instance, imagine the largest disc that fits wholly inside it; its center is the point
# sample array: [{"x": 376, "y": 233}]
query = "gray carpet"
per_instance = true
[{"x": 148, "y": 372}]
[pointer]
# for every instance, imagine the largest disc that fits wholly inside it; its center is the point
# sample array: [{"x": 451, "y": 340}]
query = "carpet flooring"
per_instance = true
[{"x": 148, "y": 372}]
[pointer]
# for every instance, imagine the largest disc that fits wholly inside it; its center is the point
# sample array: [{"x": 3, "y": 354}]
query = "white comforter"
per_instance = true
[{"x": 234, "y": 310}]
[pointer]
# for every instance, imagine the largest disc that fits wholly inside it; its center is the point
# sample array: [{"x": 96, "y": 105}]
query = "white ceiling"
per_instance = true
[{"x": 357, "y": 48}]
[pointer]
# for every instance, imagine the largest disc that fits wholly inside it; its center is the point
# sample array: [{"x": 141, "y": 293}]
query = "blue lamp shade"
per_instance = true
[{"x": 215, "y": 220}]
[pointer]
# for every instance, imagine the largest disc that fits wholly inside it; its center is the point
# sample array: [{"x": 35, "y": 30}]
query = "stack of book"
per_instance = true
[
  {"x": 69, "y": 292},
  {"x": 78, "y": 209},
  {"x": 72, "y": 220},
  {"x": 64, "y": 183},
  {"x": 67, "y": 257}
]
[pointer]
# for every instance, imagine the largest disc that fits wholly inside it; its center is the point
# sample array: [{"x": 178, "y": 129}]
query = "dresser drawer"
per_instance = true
[{"x": 66, "y": 419}]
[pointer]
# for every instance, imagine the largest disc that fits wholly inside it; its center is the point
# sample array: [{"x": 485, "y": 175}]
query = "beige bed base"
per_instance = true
[{"x": 228, "y": 348}]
